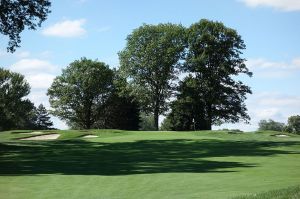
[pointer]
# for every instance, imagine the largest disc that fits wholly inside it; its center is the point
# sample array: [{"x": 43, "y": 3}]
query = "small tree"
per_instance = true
[
  {"x": 79, "y": 94},
  {"x": 293, "y": 125},
  {"x": 270, "y": 125},
  {"x": 16, "y": 15},
  {"x": 43, "y": 121}
]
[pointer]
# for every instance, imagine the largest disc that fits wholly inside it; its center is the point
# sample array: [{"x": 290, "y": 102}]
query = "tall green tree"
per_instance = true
[
  {"x": 15, "y": 16},
  {"x": 293, "y": 125},
  {"x": 149, "y": 61},
  {"x": 79, "y": 93},
  {"x": 43, "y": 121},
  {"x": 16, "y": 112},
  {"x": 214, "y": 59}
]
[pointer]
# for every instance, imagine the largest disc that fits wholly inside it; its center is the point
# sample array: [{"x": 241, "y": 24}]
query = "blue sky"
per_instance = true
[{"x": 97, "y": 29}]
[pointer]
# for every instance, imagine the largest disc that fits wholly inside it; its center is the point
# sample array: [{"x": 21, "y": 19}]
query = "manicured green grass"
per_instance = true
[
  {"x": 125, "y": 164},
  {"x": 289, "y": 193}
]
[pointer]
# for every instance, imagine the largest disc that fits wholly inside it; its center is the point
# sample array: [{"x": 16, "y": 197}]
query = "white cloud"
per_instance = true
[
  {"x": 33, "y": 66},
  {"x": 268, "y": 105},
  {"x": 267, "y": 113},
  {"x": 274, "y": 106},
  {"x": 66, "y": 28},
  {"x": 284, "y": 5},
  {"x": 38, "y": 96},
  {"x": 40, "y": 81},
  {"x": 266, "y": 64},
  {"x": 39, "y": 73},
  {"x": 271, "y": 69}
]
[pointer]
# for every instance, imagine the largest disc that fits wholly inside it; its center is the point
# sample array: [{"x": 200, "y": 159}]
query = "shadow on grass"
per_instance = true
[{"x": 79, "y": 157}]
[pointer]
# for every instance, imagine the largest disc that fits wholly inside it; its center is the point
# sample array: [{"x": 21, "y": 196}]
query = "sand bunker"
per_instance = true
[
  {"x": 90, "y": 136},
  {"x": 282, "y": 135},
  {"x": 43, "y": 137},
  {"x": 32, "y": 133}
]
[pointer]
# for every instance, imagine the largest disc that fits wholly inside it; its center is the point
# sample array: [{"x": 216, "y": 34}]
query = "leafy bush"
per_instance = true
[
  {"x": 270, "y": 125},
  {"x": 293, "y": 125}
]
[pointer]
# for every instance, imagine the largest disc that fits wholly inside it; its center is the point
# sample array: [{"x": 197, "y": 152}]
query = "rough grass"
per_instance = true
[{"x": 125, "y": 164}]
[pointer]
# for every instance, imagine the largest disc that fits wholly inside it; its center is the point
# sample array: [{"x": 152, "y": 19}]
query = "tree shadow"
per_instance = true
[{"x": 79, "y": 157}]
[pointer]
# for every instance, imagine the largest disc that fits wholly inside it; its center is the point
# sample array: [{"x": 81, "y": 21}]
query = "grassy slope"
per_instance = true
[{"x": 123, "y": 164}]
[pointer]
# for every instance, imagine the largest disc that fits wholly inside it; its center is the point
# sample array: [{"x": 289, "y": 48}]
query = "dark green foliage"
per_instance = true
[
  {"x": 213, "y": 59},
  {"x": 147, "y": 122},
  {"x": 270, "y": 125},
  {"x": 15, "y": 111},
  {"x": 293, "y": 125},
  {"x": 15, "y": 16},
  {"x": 188, "y": 110},
  {"x": 120, "y": 112},
  {"x": 43, "y": 121},
  {"x": 79, "y": 94},
  {"x": 150, "y": 61}
]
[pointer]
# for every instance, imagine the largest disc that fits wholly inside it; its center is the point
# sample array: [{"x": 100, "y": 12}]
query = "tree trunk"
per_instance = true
[
  {"x": 209, "y": 118},
  {"x": 208, "y": 127},
  {"x": 156, "y": 117},
  {"x": 88, "y": 122},
  {"x": 156, "y": 109}
]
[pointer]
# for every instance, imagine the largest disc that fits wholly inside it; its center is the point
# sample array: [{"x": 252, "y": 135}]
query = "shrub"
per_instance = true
[{"x": 270, "y": 125}]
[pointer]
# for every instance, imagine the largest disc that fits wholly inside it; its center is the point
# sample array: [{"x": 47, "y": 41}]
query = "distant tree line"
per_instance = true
[
  {"x": 292, "y": 126},
  {"x": 88, "y": 94}
]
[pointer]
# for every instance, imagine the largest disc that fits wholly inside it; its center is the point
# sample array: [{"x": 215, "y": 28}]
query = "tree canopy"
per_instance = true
[
  {"x": 293, "y": 125},
  {"x": 213, "y": 59},
  {"x": 79, "y": 93},
  {"x": 15, "y": 16},
  {"x": 187, "y": 111},
  {"x": 16, "y": 112},
  {"x": 149, "y": 61},
  {"x": 88, "y": 95}
]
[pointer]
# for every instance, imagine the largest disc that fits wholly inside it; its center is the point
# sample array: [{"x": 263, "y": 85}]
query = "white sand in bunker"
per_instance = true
[
  {"x": 43, "y": 137},
  {"x": 282, "y": 135},
  {"x": 32, "y": 133},
  {"x": 90, "y": 136}
]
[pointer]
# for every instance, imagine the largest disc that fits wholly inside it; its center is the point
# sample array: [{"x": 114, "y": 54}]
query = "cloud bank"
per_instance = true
[{"x": 283, "y": 5}]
